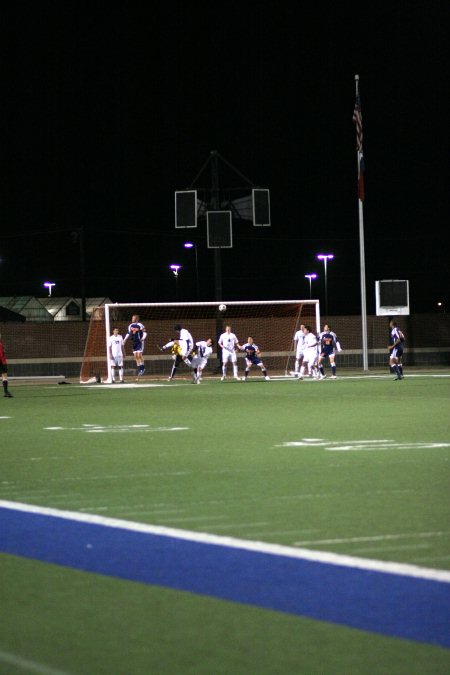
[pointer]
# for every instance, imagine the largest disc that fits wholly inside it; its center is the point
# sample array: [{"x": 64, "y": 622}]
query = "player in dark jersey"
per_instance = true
[
  {"x": 4, "y": 371},
  {"x": 395, "y": 347},
  {"x": 252, "y": 358},
  {"x": 328, "y": 346},
  {"x": 137, "y": 334}
]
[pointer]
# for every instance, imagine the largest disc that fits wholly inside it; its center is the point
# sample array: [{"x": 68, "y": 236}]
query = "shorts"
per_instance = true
[
  {"x": 253, "y": 361},
  {"x": 228, "y": 356},
  {"x": 117, "y": 361},
  {"x": 3, "y": 368},
  {"x": 199, "y": 362}
]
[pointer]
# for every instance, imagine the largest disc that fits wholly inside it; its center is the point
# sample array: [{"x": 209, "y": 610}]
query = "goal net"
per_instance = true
[{"x": 271, "y": 323}]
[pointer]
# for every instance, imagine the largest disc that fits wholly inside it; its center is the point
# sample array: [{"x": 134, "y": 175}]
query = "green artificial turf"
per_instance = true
[{"x": 238, "y": 465}]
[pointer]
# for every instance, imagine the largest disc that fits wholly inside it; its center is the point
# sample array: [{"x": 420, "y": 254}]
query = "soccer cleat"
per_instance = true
[
  {"x": 122, "y": 381},
  {"x": 399, "y": 377},
  {"x": 332, "y": 377},
  {"x": 243, "y": 379},
  {"x": 222, "y": 378},
  {"x": 267, "y": 377},
  {"x": 236, "y": 378},
  {"x": 161, "y": 349},
  {"x": 7, "y": 394}
]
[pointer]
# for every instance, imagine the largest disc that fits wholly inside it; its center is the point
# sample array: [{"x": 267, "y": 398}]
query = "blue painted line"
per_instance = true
[{"x": 390, "y": 604}]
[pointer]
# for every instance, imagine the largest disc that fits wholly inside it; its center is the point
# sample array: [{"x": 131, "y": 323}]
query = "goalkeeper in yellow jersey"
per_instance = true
[{"x": 177, "y": 356}]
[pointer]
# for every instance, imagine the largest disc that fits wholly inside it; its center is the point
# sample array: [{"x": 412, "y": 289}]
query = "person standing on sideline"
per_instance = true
[
  {"x": 116, "y": 350},
  {"x": 309, "y": 354},
  {"x": 329, "y": 345},
  {"x": 4, "y": 370},
  {"x": 228, "y": 343},
  {"x": 253, "y": 358},
  {"x": 137, "y": 333},
  {"x": 199, "y": 361},
  {"x": 299, "y": 339},
  {"x": 395, "y": 347}
]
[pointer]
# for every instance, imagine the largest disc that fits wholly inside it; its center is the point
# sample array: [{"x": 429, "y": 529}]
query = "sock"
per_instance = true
[
  {"x": 5, "y": 385},
  {"x": 322, "y": 371},
  {"x": 235, "y": 370},
  {"x": 400, "y": 368},
  {"x": 297, "y": 364},
  {"x": 264, "y": 372},
  {"x": 121, "y": 374},
  {"x": 246, "y": 373},
  {"x": 333, "y": 370}
]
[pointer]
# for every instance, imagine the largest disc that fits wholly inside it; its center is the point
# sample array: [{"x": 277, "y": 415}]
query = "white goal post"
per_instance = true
[{"x": 272, "y": 324}]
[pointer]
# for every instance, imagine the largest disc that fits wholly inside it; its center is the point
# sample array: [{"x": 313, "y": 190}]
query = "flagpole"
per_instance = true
[{"x": 361, "y": 250}]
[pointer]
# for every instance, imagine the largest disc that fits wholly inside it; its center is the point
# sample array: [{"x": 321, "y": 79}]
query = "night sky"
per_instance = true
[{"x": 107, "y": 111}]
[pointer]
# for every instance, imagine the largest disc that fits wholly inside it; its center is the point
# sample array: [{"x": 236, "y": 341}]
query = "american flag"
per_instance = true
[{"x": 357, "y": 118}]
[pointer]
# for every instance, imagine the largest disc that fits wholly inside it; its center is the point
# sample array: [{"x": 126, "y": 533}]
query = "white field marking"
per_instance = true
[
  {"x": 115, "y": 428},
  {"x": 397, "y": 547},
  {"x": 361, "y": 445},
  {"x": 378, "y": 537},
  {"x": 5, "y": 418},
  {"x": 27, "y": 665},
  {"x": 130, "y": 385},
  {"x": 401, "y": 569}
]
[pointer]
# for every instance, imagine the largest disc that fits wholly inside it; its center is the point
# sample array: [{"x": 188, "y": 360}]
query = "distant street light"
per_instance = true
[
  {"x": 325, "y": 257},
  {"x": 441, "y": 306},
  {"x": 310, "y": 277},
  {"x": 189, "y": 244},
  {"x": 49, "y": 285},
  {"x": 175, "y": 269}
]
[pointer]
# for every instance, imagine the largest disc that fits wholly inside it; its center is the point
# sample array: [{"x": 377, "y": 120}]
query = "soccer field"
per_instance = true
[{"x": 228, "y": 528}]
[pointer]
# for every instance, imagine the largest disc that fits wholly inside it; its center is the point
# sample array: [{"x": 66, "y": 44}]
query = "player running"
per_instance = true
[
  {"x": 253, "y": 358},
  {"x": 395, "y": 347}
]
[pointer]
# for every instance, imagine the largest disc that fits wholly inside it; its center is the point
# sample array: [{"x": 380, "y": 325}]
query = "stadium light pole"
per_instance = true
[
  {"x": 325, "y": 257},
  {"x": 49, "y": 285},
  {"x": 175, "y": 269},
  {"x": 310, "y": 277},
  {"x": 190, "y": 244}
]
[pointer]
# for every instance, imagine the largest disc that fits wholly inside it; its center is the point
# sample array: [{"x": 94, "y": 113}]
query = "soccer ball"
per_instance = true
[{"x": 222, "y": 308}]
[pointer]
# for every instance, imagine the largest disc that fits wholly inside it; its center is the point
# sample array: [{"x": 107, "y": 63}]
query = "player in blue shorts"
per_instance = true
[
  {"x": 395, "y": 347},
  {"x": 328, "y": 346},
  {"x": 252, "y": 358},
  {"x": 137, "y": 333}
]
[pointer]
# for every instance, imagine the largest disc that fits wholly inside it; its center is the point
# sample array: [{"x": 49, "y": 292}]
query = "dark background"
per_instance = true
[{"x": 107, "y": 111}]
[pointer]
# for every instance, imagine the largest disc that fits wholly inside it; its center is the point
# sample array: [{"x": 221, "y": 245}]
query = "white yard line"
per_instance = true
[
  {"x": 401, "y": 569},
  {"x": 28, "y": 665}
]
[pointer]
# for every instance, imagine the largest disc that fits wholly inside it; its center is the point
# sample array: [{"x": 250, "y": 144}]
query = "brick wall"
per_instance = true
[{"x": 50, "y": 348}]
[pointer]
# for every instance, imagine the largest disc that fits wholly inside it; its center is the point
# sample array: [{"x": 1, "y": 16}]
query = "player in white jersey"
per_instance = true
[
  {"x": 299, "y": 339},
  {"x": 204, "y": 349},
  {"x": 116, "y": 351},
  {"x": 228, "y": 343},
  {"x": 184, "y": 343},
  {"x": 310, "y": 354}
]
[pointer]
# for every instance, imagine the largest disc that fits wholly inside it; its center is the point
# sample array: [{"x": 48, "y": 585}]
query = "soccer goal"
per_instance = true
[{"x": 271, "y": 323}]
